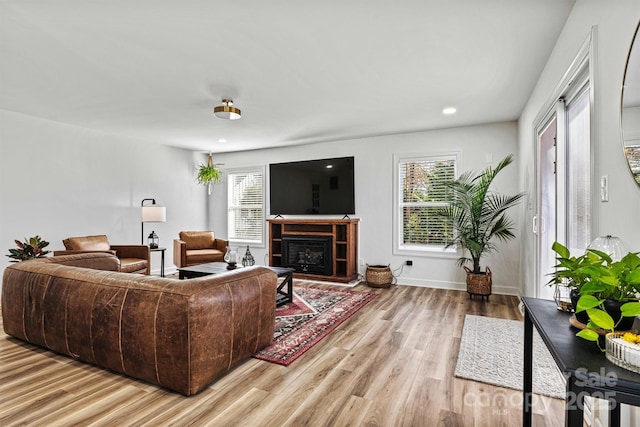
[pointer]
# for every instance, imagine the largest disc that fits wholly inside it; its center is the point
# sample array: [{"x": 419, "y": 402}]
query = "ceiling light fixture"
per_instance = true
[
  {"x": 227, "y": 111},
  {"x": 449, "y": 110}
]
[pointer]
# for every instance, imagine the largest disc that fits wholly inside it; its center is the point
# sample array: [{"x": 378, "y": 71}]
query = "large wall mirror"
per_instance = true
[{"x": 630, "y": 108}]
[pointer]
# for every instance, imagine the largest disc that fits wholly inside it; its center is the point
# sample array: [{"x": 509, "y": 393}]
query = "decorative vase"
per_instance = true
[
  {"x": 479, "y": 283},
  {"x": 231, "y": 258},
  {"x": 378, "y": 276},
  {"x": 562, "y": 297},
  {"x": 248, "y": 260}
]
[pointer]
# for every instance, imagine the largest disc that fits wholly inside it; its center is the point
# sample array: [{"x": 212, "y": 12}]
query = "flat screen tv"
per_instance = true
[{"x": 312, "y": 187}]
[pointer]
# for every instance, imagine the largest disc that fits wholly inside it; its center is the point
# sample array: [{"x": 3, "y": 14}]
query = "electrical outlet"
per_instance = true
[
  {"x": 409, "y": 262},
  {"x": 361, "y": 261}
]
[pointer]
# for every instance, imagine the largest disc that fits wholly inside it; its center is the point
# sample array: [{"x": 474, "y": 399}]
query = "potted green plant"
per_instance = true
[
  {"x": 478, "y": 217},
  {"x": 209, "y": 173},
  {"x": 607, "y": 290},
  {"x": 572, "y": 273},
  {"x": 32, "y": 247}
]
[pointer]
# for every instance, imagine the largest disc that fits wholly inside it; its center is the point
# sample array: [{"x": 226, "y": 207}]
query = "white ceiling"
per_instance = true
[{"x": 300, "y": 71}]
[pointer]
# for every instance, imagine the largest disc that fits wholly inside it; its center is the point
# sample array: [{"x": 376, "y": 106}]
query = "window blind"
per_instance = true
[
  {"x": 423, "y": 191},
  {"x": 578, "y": 143},
  {"x": 246, "y": 206}
]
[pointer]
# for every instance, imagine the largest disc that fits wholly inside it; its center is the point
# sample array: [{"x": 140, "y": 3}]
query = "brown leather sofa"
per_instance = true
[
  {"x": 133, "y": 258},
  {"x": 179, "y": 334},
  {"x": 198, "y": 247}
]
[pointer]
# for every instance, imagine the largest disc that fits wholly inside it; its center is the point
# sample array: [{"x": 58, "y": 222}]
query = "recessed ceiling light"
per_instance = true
[
  {"x": 222, "y": 140},
  {"x": 329, "y": 166},
  {"x": 449, "y": 110}
]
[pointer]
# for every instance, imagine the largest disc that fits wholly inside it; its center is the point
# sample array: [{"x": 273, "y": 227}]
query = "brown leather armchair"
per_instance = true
[
  {"x": 198, "y": 247},
  {"x": 133, "y": 258}
]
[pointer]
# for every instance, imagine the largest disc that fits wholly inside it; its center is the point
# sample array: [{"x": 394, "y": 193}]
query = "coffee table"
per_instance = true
[{"x": 284, "y": 292}]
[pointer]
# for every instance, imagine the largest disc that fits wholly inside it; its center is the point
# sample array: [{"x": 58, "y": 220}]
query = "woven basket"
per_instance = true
[
  {"x": 379, "y": 276},
  {"x": 479, "y": 284}
]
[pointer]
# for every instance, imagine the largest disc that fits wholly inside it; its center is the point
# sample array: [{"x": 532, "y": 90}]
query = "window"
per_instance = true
[
  {"x": 421, "y": 190},
  {"x": 564, "y": 169},
  {"x": 578, "y": 180},
  {"x": 245, "y": 204}
]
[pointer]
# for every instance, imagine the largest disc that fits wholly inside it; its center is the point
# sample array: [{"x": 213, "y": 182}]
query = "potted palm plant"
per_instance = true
[
  {"x": 209, "y": 173},
  {"x": 478, "y": 217}
]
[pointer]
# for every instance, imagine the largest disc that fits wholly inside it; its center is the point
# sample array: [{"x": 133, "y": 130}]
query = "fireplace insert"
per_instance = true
[{"x": 308, "y": 254}]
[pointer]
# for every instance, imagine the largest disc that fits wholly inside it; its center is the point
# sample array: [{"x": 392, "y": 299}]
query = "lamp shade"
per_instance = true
[
  {"x": 610, "y": 245},
  {"x": 154, "y": 213}
]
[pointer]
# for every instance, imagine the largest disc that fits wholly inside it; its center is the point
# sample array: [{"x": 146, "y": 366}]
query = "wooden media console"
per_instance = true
[{"x": 343, "y": 247}]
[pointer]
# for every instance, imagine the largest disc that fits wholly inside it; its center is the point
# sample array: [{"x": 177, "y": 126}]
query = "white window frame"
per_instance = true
[
  {"x": 400, "y": 248},
  {"x": 231, "y": 232}
]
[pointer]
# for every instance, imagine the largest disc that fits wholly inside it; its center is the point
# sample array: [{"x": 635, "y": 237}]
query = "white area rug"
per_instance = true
[{"x": 491, "y": 351}]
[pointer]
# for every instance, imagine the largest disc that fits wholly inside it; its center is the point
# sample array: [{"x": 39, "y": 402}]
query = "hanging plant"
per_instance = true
[{"x": 209, "y": 173}]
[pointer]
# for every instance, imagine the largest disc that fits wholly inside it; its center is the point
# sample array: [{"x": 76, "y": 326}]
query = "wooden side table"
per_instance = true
[{"x": 161, "y": 250}]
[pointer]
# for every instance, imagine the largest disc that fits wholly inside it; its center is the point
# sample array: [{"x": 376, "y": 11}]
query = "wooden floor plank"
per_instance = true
[{"x": 391, "y": 363}]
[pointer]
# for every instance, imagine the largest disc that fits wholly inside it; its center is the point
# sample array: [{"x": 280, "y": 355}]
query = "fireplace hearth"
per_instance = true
[
  {"x": 308, "y": 254},
  {"x": 340, "y": 256}
]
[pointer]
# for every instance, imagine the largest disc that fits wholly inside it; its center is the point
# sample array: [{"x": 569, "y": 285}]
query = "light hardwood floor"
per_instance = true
[{"x": 389, "y": 365}]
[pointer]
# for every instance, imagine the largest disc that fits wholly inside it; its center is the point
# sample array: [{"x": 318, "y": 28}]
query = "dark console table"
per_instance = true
[
  {"x": 284, "y": 292},
  {"x": 586, "y": 368}
]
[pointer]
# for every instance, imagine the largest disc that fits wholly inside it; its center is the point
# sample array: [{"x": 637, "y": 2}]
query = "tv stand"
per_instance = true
[{"x": 344, "y": 241}]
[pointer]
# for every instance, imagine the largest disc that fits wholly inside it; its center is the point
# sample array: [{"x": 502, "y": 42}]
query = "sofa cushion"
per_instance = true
[
  {"x": 93, "y": 260},
  {"x": 131, "y": 265},
  {"x": 201, "y": 256},
  {"x": 87, "y": 243},
  {"x": 198, "y": 239}
]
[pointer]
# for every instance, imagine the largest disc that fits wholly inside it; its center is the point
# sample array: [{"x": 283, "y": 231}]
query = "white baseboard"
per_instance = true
[{"x": 455, "y": 286}]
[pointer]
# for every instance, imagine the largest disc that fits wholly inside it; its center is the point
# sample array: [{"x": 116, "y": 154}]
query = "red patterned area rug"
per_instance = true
[{"x": 312, "y": 315}]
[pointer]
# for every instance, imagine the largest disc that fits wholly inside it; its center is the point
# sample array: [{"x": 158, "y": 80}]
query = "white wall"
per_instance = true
[
  {"x": 58, "y": 181},
  {"x": 374, "y": 188},
  {"x": 615, "y": 23}
]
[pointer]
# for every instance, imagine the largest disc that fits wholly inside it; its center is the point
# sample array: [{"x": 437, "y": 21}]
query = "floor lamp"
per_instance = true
[{"x": 151, "y": 213}]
